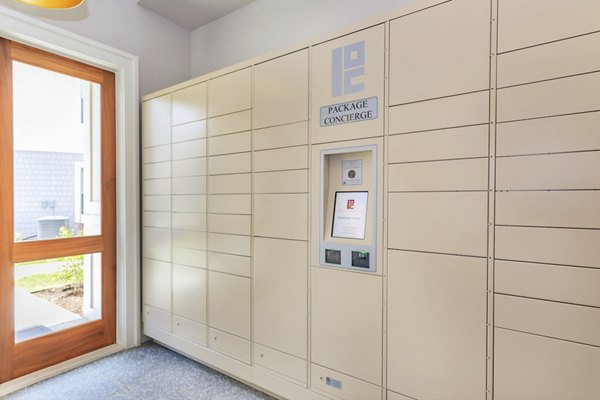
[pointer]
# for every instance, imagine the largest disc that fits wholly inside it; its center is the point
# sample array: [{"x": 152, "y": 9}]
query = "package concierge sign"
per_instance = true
[{"x": 348, "y": 112}]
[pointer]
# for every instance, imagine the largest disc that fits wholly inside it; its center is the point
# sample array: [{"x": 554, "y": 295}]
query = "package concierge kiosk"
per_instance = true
[{"x": 348, "y": 212}]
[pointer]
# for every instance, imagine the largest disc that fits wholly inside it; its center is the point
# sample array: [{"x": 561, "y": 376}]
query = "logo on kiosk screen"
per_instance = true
[
  {"x": 347, "y": 65},
  {"x": 350, "y": 204}
]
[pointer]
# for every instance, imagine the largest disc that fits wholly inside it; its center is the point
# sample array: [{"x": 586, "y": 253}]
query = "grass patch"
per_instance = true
[{"x": 39, "y": 282}]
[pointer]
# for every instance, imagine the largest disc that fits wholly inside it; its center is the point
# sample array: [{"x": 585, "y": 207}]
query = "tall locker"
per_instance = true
[
  {"x": 156, "y": 208},
  {"x": 280, "y": 199},
  {"x": 547, "y": 263},
  {"x": 229, "y": 214},
  {"x": 438, "y": 202},
  {"x": 188, "y": 153}
]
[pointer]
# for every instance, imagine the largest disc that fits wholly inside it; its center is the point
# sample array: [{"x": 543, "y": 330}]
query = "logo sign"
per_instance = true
[
  {"x": 351, "y": 111},
  {"x": 348, "y": 64}
]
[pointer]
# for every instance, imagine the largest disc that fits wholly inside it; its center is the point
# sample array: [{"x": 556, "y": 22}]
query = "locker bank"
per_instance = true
[{"x": 403, "y": 208}]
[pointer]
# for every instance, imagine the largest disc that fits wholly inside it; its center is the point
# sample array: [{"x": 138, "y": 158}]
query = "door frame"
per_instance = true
[{"x": 17, "y": 27}]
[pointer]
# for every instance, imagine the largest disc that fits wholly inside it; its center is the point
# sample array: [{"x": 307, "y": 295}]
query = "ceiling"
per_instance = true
[{"x": 192, "y": 14}]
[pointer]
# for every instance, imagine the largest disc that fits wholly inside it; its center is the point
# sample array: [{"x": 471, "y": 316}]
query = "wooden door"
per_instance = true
[{"x": 85, "y": 242}]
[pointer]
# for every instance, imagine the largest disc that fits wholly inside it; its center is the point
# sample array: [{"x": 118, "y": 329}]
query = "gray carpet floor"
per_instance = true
[{"x": 149, "y": 372}]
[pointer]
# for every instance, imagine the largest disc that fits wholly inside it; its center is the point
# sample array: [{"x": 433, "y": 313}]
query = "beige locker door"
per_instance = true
[
  {"x": 346, "y": 323},
  {"x": 189, "y": 293},
  {"x": 348, "y": 69},
  {"x": 229, "y": 303},
  {"x": 189, "y": 104},
  {"x": 156, "y": 121},
  {"x": 281, "y": 90},
  {"x": 230, "y": 93},
  {"x": 437, "y": 325},
  {"x": 440, "y": 51},
  {"x": 280, "y": 295}
]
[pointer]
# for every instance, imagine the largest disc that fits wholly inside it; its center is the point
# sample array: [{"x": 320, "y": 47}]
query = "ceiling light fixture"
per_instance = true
[{"x": 59, "y": 4}]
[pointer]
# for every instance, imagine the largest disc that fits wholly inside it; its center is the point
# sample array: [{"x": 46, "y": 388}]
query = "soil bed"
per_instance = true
[{"x": 68, "y": 297}]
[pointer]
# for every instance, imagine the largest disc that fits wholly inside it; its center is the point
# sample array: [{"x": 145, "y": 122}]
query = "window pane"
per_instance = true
[
  {"x": 56, "y": 155},
  {"x": 52, "y": 295}
]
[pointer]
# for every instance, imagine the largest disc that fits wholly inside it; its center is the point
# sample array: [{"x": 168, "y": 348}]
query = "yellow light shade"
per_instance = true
[{"x": 62, "y": 4}]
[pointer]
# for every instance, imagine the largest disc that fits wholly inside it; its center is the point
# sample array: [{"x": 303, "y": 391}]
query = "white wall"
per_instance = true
[
  {"x": 268, "y": 25},
  {"x": 162, "y": 46}
]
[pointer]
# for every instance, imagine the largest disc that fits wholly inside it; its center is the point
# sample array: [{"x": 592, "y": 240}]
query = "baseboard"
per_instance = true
[{"x": 38, "y": 376}]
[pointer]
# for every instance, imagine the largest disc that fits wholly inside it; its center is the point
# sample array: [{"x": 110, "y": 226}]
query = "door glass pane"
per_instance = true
[
  {"x": 56, "y": 294},
  {"x": 57, "y": 188}
]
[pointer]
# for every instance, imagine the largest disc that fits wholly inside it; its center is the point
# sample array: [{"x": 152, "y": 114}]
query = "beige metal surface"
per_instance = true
[
  {"x": 156, "y": 154},
  {"x": 231, "y": 345},
  {"x": 537, "y": 368},
  {"x": 229, "y": 303},
  {"x": 281, "y": 159},
  {"x": 280, "y": 295},
  {"x": 532, "y": 22},
  {"x": 156, "y": 203},
  {"x": 560, "y": 96},
  {"x": 230, "y": 123},
  {"x": 567, "y": 209},
  {"x": 419, "y": 41},
  {"x": 190, "y": 131},
  {"x": 552, "y": 60},
  {"x": 471, "y": 174},
  {"x": 189, "y": 185},
  {"x": 156, "y": 219},
  {"x": 373, "y": 80},
  {"x": 230, "y": 204},
  {"x": 157, "y": 170},
  {"x": 156, "y": 121},
  {"x": 230, "y": 264},
  {"x": 281, "y": 182},
  {"x": 156, "y": 243},
  {"x": 156, "y": 186},
  {"x": 555, "y": 246},
  {"x": 189, "y": 203},
  {"x": 549, "y": 135},
  {"x": 156, "y": 284},
  {"x": 229, "y": 223},
  {"x": 230, "y": 164},
  {"x": 447, "y": 112},
  {"x": 570, "y": 322},
  {"x": 549, "y": 172},
  {"x": 189, "y": 330},
  {"x": 346, "y": 323},
  {"x": 190, "y": 149},
  {"x": 281, "y": 216},
  {"x": 281, "y": 90},
  {"x": 230, "y": 184},
  {"x": 230, "y": 244},
  {"x": 190, "y": 167},
  {"x": 453, "y": 223},
  {"x": 281, "y": 136},
  {"x": 189, "y": 257},
  {"x": 189, "y": 104},
  {"x": 281, "y": 363},
  {"x": 352, "y": 388},
  {"x": 233, "y": 143},
  {"x": 189, "y": 221},
  {"x": 156, "y": 317},
  {"x": 189, "y": 239},
  {"x": 446, "y": 144},
  {"x": 189, "y": 293},
  {"x": 436, "y": 325},
  {"x": 230, "y": 93},
  {"x": 548, "y": 282}
]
